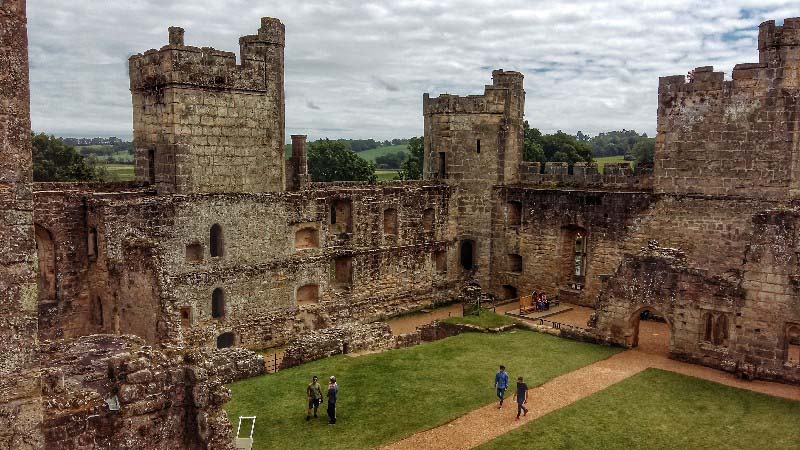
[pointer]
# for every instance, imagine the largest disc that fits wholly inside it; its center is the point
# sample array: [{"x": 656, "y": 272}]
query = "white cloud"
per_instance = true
[{"x": 356, "y": 69}]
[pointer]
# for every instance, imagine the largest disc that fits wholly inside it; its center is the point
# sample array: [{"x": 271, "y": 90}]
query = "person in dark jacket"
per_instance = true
[{"x": 333, "y": 394}]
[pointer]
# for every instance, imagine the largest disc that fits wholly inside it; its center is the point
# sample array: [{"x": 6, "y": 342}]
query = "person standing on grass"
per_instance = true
[
  {"x": 521, "y": 395},
  {"x": 314, "y": 395},
  {"x": 501, "y": 383},
  {"x": 333, "y": 394}
]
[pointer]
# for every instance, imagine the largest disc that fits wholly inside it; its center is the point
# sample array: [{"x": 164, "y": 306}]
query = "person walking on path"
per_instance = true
[
  {"x": 501, "y": 383},
  {"x": 333, "y": 394},
  {"x": 314, "y": 395},
  {"x": 521, "y": 395}
]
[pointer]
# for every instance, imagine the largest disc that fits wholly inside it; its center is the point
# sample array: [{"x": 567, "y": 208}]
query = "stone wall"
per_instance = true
[
  {"x": 586, "y": 175},
  {"x": 202, "y": 123},
  {"x": 163, "y": 402},
  {"x": 20, "y": 396},
  {"x": 734, "y": 137},
  {"x": 338, "y": 340},
  {"x": 154, "y": 276}
]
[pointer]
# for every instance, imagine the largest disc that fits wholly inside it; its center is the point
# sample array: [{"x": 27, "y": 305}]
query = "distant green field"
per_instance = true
[
  {"x": 120, "y": 172},
  {"x": 373, "y": 153},
  {"x": 601, "y": 162}
]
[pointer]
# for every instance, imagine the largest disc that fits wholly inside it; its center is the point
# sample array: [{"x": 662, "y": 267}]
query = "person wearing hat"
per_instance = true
[
  {"x": 314, "y": 395},
  {"x": 333, "y": 394}
]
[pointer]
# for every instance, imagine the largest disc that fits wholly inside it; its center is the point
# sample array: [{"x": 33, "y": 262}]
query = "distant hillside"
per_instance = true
[{"x": 370, "y": 154}]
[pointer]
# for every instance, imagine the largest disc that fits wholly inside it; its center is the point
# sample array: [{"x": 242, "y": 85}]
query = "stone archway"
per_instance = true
[
  {"x": 649, "y": 330},
  {"x": 46, "y": 253}
]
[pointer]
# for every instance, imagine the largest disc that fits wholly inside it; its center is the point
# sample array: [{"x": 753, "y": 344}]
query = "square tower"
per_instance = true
[{"x": 204, "y": 124}]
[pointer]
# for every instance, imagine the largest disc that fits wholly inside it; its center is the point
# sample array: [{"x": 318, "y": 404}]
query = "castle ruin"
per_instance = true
[{"x": 222, "y": 243}]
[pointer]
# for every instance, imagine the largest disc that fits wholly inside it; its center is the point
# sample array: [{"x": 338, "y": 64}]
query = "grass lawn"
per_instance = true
[
  {"x": 487, "y": 319},
  {"x": 663, "y": 410},
  {"x": 601, "y": 162},
  {"x": 120, "y": 172},
  {"x": 386, "y": 396}
]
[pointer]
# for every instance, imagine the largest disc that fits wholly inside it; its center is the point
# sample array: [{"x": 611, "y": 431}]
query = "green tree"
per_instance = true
[
  {"x": 412, "y": 168},
  {"x": 333, "y": 161},
  {"x": 55, "y": 161},
  {"x": 560, "y": 147},
  {"x": 390, "y": 160},
  {"x": 644, "y": 150}
]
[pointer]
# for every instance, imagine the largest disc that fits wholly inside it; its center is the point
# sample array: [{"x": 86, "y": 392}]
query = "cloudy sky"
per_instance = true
[{"x": 358, "y": 69}]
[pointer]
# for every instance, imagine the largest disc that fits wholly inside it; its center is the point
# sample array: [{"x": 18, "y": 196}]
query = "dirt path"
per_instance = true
[{"x": 487, "y": 423}]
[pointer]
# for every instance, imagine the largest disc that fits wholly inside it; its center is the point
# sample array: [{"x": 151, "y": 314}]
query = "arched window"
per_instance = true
[
  {"x": 217, "y": 241},
  {"x": 580, "y": 254},
  {"x": 226, "y": 340},
  {"x": 46, "y": 252},
  {"x": 218, "y": 303}
]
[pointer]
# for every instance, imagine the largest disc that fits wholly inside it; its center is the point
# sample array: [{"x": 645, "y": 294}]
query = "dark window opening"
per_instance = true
[
  {"x": 467, "y": 256},
  {"x": 478, "y": 146},
  {"x": 442, "y": 165},
  {"x": 218, "y": 303},
  {"x": 151, "y": 166},
  {"x": 217, "y": 241},
  {"x": 186, "y": 316},
  {"x": 225, "y": 340},
  {"x": 97, "y": 311},
  {"x": 715, "y": 328},
  {"x": 514, "y": 263}
]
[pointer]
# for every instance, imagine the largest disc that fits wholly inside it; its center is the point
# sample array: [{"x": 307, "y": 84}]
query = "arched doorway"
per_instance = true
[
  {"x": 651, "y": 331},
  {"x": 226, "y": 340}
]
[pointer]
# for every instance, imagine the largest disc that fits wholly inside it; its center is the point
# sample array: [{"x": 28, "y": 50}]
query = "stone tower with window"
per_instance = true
[
  {"x": 475, "y": 143},
  {"x": 203, "y": 123}
]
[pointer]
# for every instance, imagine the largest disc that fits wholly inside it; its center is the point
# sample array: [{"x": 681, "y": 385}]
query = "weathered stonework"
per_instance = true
[
  {"x": 223, "y": 243},
  {"x": 20, "y": 395}
]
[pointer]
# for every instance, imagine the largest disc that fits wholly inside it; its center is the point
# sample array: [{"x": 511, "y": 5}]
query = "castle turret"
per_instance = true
[
  {"x": 202, "y": 123},
  {"x": 475, "y": 143}
]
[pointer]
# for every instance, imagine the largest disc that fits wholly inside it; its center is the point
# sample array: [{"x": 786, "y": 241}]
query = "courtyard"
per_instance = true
[{"x": 440, "y": 395}]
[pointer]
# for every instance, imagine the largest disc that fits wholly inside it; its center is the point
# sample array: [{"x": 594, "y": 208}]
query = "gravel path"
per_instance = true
[{"x": 487, "y": 423}]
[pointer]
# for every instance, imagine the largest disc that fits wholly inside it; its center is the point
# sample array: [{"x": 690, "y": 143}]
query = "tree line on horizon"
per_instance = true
[{"x": 336, "y": 159}]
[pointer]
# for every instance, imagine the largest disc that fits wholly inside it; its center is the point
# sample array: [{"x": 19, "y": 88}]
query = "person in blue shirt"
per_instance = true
[{"x": 501, "y": 383}]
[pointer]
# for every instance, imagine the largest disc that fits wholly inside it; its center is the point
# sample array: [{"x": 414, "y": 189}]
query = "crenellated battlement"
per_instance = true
[
  {"x": 180, "y": 64},
  {"x": 493, "y": 100},
  {"x": 582, "y": 174}
]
